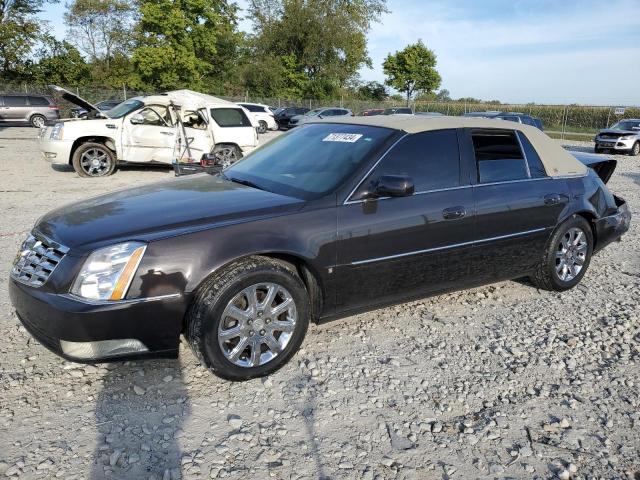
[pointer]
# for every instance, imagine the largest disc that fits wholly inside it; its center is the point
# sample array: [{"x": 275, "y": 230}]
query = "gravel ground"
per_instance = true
[{"x": 499, "y": 381}]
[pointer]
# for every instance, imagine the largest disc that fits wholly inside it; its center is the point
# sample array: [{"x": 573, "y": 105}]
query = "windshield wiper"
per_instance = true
[{"x": 247, "y": 183}]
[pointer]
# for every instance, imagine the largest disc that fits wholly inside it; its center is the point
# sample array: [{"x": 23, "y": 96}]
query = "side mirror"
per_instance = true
[
  {"x": 137, "y": 119},
  {"x": 392, "y": 186}
]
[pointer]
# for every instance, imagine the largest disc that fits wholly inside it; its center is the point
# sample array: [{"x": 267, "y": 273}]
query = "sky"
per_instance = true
[{"x": 517, "y": 51}]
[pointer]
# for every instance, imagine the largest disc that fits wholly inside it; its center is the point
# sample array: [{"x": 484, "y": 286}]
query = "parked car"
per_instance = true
[
  {"x": 339, "y": 216},
  {"x": 316, "y": 113},
  {"x": 623, "y": 137},
  {"x": 429, "y": 114},
  {"x": 261, "y": 115},
  {"x": 103, "y": 106},
  {"x": 144, "y": 130},
  {"x": 397, "y": 111},
  {"x": 486, "y": 114},
  {"x": 520, "y": 118},
  {"x": 286, "y": 114},
  {"x": 372, "y": 111},
  {"x": 37, "y": 110}
]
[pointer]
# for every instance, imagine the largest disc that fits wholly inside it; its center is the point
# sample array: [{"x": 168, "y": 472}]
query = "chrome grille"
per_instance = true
[
  {"x": 610, "y": 135},
  {"x": 37, "y": 259}
]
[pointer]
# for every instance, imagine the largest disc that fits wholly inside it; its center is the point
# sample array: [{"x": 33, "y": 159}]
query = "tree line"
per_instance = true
[{"x": 296, "y": 49}]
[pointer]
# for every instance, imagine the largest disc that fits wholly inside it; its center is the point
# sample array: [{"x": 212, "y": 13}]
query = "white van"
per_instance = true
[{"x": 144, "y": 130}]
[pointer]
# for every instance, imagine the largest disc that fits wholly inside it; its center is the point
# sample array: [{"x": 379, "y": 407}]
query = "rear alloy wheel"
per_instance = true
[
  {"x": 227, "y": 154},
  {"x": 248, "y": 320},
  {"x": 636, "y": 149},
  {"x": 567, "y": 256},
  {"x": 262, "y": 127},
  {"x": 37, "y": 121},
  {"x": 93, "y": 160}
]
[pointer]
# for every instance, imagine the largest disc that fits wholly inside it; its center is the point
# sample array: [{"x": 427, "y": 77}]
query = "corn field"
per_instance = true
[{"x": 565, "y": 121}]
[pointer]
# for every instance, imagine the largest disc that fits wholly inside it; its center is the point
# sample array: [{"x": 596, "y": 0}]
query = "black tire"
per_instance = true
[
  {"x": 206, "y": 313},
  {"x": 262, "y": 127},
  {"x": 546, "y": 275},
  {"x": 227, "y": 154},
  {"x": 83, "y": 164},
  {"x": 38, "y": 121},
  {"x": 635, "y": 150}
]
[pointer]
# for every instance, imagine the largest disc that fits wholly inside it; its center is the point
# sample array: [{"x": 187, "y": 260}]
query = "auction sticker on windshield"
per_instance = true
[{"x": 342, "y": 137}]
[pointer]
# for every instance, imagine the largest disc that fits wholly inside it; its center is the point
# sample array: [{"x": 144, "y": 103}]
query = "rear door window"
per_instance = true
[
  {"x": 431, "y": 159},
  {"x": 230, "y": 117},
  {"x": 15, "y": 101},
  {"x": 38, "y": 101},
  {"x": 498, "y": 156}
]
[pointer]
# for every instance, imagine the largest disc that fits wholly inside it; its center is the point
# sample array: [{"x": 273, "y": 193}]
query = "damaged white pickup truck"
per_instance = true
[{"x": 149, "y": 130}]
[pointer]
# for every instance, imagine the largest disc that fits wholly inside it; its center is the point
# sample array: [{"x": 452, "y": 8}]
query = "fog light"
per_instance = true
[
  {"x": 102, "y": 349},
  {"x": 50, "y": 154}
]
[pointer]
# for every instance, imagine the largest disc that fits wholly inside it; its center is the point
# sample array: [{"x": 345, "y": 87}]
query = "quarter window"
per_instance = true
[
  {"x": 230, "y": 117},
  {"x": 498, "y": 156},
  {"x": 431, "y": 159},
  {"x": 536, "y": 168},
  {"x": 38, "y": 101}
]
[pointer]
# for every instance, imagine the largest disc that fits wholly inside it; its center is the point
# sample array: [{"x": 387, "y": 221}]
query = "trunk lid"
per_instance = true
[{"x": 604, "y": 167}]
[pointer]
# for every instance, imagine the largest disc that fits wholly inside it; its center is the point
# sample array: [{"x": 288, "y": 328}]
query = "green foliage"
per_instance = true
[
  {"x": 19, "y": 32},
  {"x": 372, "y": 91},
  {"x": 61, "y": 63},
  {"x": 323, "y": 41},
  {"x": 412, "y": 70},
  {"x": 176, "y": 41}
]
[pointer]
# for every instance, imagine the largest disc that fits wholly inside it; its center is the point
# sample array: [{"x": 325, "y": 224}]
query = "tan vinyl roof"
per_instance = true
[{"x": 555, "y": 159}]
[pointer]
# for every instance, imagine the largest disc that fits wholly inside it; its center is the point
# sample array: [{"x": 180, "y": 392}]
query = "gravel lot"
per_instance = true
[{"x": 500, "y": 381}]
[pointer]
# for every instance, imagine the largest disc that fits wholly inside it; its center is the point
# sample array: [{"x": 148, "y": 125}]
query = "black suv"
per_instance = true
[{"x": 285, "y": 115}]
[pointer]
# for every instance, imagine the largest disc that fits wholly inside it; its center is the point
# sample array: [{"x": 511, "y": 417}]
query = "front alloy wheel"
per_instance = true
[
  {"x": 249, "y": 319},
  {"x": 93, "y": 160},
  {"x": 636, "y": 149},
  {"x": 257, "y": 324}
]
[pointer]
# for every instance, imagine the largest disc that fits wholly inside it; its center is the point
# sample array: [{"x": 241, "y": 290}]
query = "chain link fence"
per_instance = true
[{"x": 579, "y": 122}]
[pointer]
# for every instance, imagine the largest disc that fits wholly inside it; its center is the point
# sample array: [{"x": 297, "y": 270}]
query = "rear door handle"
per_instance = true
[
  {"x": 554, "y": 199},
  {"x": 453, "y": 213}
]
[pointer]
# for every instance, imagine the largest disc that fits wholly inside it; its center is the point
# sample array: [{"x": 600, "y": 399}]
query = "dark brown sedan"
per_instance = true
[{"x": 333, "y": 218}]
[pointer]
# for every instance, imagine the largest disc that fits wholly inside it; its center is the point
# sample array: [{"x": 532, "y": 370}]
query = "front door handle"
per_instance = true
[
  {"x": 554, "y": 199},
  {"x": 166, "y": 133},
  {"x": 453, "y": 213}
]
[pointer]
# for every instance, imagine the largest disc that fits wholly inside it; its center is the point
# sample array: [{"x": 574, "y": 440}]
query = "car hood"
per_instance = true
[
  {"x": 158, "y": 210},
  {"x": 619, "y": 132},
  {"x": 75, "y": 99}
]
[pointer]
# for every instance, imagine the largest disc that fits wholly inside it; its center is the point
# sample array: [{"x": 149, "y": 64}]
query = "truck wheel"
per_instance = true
[
  {"x": 262, "y": 127},
  {"x": 566, "y": 257},
  {"x": 227, "y": 154},
  {"x": 250, "y": 319},
  {"x": 93, "y": 160},
  {"x": 37, "y": 121}
]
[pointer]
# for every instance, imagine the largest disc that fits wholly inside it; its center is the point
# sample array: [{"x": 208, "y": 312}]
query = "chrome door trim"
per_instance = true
[{"x": 445, "y": 247}]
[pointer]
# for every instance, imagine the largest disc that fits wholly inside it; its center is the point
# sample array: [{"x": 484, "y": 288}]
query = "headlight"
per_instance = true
[
  {"x": 627, "y": 137},
  {"x": 107, "y": 273},
  {"x": 56, "y": 131}
]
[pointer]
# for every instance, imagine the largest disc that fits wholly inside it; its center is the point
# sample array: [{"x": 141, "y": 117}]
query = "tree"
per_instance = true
[
  {"x": 102, "y": 29},
  {"x": 176, "y": 41},
  {"x": 372, "y": 91},
  {"x": 20, "y": 30},
  {"x": 324, "y": 40},
  {"x": 60, "y": 63},
  {"x": 443, "y": 95},
  {"x": 412, "y": 70}
]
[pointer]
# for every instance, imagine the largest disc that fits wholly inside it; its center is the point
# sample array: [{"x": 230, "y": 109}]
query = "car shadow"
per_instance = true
[
  {"x": 140, "y": 413},
  {"x": 132, "y": 168}
]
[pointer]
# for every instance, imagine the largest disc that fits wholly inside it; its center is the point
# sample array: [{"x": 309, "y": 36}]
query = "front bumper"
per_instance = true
[
  {"x": 614, "y": 144},
  {"x": 612, "y": 227},
  {"x": 56, "y": 151},
  {"x": 65, "y": 324}
]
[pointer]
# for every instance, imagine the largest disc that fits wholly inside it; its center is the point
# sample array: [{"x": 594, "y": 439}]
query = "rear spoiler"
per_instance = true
[{"x": 604, "y": 167}]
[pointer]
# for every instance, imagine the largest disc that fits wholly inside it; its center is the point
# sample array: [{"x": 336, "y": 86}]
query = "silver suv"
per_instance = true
[
  {"x": 623, "y": 137},
  {"x": 37, "y": 110}
]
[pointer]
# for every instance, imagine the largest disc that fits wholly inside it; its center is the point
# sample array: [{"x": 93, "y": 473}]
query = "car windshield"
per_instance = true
[
  {"x": 124, "y": 108},
  {"x": 315, "y": 112},
  {"x": 311, "y": 161},
  {"x": 627, "y": 125}
]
